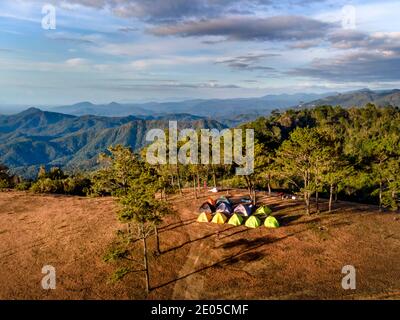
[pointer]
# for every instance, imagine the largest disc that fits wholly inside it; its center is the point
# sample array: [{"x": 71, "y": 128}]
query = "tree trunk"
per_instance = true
[
  {"x": 249, "y": 187},
  {"x": 214, "y": 179},
  {"x": 198, "y": 183},
  {"x": 317, "y": 201},
  {"x": 380, "y": 195},
  {"x": 336, "y": 194},
  {"x": 158, "y": 251},
  {"x": 307, "y": 202},
  {"x": 178, "y": 177},
  {"x": 330, "y": 198},
  {"x": 194, "y": 187},
  {"x": 146, "y": 268},
  {"x": 306, "y": 193}
]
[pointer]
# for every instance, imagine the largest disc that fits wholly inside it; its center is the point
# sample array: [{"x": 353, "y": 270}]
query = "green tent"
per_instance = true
[
  {"x": 219, "y": 218},
  {"x": 263, "y": 210},
  {"x": 236, "y": 220},
  {"x": 271, "y": 222},
  {"x": 253, "y": 222}
]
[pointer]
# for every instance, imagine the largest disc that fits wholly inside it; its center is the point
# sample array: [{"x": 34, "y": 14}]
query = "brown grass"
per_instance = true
[{"x": 301, "y": 260}]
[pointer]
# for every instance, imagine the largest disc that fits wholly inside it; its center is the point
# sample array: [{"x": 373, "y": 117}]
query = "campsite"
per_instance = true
[{"x": 302, "y": 259}]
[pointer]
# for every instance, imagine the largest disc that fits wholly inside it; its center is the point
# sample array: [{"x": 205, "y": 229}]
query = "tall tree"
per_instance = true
[{"x": 297, "y": 158}]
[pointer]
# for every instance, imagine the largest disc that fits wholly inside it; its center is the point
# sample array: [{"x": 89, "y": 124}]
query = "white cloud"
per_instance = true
[{"x": 76, "y": 62}]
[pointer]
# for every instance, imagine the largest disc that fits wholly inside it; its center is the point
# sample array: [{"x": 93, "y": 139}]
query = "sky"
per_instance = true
[{"x": 165, "y": 50}]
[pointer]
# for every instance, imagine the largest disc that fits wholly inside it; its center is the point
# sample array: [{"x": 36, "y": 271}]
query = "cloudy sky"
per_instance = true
[{"x": 142, "y": 50}]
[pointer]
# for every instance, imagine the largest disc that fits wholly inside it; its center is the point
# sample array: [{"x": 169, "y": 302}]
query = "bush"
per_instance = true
[
  {"x": 78, "y": 186},
  {"x": 23, "y": 186},
  {"x": 234, "y": 182},
  {"x": 47, "y": 186},
  {"x": 5, "y": 184},
  {"x": 101, "y": 183}
]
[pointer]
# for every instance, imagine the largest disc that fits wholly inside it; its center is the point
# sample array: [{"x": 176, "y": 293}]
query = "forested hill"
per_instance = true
[
  {"x": 34, "y": 137},
  {"x": 359, "y": 98},
  {"x": 352, "y": 151}
]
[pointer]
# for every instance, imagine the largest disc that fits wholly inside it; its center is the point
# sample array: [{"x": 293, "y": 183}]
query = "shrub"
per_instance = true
[
  {"x": 234, "y": 182},
  {"x": 5, "y": 184},
  {"x": 77, "y": 185},
  {"x": 47, "y": 186},
  {"x": 23, "y": 186}
]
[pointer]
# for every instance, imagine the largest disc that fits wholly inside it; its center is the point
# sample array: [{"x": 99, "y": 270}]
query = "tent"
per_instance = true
[
  {"x": 223, "y": 200},
  {"x": 206, "y": 207},
  {"x": 243, "y": 209},
  {"x": 225, "y": 208},
  {"x": 236, "y": 220},
  {"x": 219, "y": 218},
  {"x": 253, "y": 222},
  {"x": 246, "y": 200},
  {"x": 263, "y": 210},
  {"x": 271, "y": 222},
  {"x": 204, "y": 217},
  {"x": 211, "y": 201}
]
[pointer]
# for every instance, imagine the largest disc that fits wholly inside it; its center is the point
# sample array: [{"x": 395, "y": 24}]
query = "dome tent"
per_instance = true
[
  {"x": 236, "y": 220},
  {"x": 211, "y": 201},
  {"x": 204, "y": 217},
  {"x": 271, "y": 222},
  {"x": 263, "y": 211},
  {"x": 243, "y": 209},
  {"x": 225, "y": 208},
  {"x": 219, "y": 218},
  {"x": 223, "y": 199},
  {"x": 253, "y": 222},
  {"x": 207, "y": 207}
]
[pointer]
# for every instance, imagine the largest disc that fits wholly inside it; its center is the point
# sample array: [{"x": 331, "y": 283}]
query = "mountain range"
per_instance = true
[
  {"x": 219, "y": 109},
  {"x": 73, "y": 136},
  {"x": 359, "y": 98},
  {"x": 34, "y": 137}
]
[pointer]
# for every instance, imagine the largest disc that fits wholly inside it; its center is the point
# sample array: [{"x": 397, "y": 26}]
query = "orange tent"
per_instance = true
[{"x": 211, "y": 201}]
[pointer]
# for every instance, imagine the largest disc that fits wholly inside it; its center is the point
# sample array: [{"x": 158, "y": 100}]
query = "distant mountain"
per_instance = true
[
  {"x": 220, "y": 109},
  {"x": 35, "y": 137},
  {"x": 360, "y": 98}
]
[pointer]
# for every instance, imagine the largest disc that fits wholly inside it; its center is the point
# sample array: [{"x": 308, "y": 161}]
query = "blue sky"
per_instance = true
[{"x": 157, "y": 50}]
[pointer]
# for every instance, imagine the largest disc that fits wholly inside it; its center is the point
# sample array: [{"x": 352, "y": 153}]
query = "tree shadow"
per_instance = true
[
  {"x": 245, "y": 243},
  {"x": 246, "y": 257},
  {"x": 234, "y": 233},
  {"x": 188, "y": 242},
  {"x": 176, "y": 225},
  {"x": 287, "y": 220},
  {"x": 279, "y": 207},
  {"x": 216, "y": 264},
  {"x": 245, "y": 254}
]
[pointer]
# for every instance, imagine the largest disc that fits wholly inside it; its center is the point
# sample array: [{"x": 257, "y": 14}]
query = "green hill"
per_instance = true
[{"x": 35, "y": 137}]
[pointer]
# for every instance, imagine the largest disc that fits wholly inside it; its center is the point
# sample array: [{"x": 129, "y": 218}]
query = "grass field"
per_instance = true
[{"x": 301, "y": 260}]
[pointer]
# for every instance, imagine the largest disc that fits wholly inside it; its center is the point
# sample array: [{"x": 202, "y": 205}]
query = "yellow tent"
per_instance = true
[
  {"x": 271, "y": 222},
  {"x": 236, "y": 220},
  {"x": 204, "y": 217},
  {"x": 263, "y": 210},
  {"x": 253, "y": 222},
  {"x": 219, "y": 218}
]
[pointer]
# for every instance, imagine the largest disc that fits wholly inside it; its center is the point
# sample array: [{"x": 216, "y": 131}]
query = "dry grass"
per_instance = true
[{"x": 302, "y": 259}]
